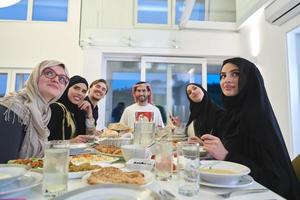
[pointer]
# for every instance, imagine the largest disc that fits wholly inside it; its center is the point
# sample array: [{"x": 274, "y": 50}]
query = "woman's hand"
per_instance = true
[
  {"x": 176, "y": 121},
  {"x": 86, "y": 106},
  {"x": 214, "y": 146},
  {"x": 82, "y": 139},
  {"x": 195, "y": 139}
]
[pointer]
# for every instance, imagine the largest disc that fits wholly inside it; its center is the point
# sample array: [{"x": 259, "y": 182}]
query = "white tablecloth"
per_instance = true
[{"x": 205, "y": 192}]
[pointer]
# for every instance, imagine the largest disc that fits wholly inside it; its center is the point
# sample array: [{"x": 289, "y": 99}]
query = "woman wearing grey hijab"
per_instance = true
[{"x": 24, "y": 115}]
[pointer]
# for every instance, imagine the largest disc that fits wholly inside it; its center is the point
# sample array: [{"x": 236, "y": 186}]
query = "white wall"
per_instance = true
[
  {"x": 266, "y": 45},
  {"x": 25, "y": 44},
  {"x": 245, "y": 8}
]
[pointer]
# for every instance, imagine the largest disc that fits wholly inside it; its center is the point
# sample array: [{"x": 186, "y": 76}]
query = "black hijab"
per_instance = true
[
  {"x": 78, "y": 114},
  {"x": 201, "y": 113},
  {"x": 250, "y": 117}
]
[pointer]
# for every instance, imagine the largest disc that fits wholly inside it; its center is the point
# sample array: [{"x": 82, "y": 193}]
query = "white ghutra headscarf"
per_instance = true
[{"x": 32, "y": 110}]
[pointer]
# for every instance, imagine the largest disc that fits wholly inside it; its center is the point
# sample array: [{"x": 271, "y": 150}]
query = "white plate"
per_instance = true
[
  {"x": 111, "y": 155},
  {"x": 11, "y": 172},
  {"x": 77, "y": 148},
  {"x": 243, "y": 182},
  {"x": 110, "y": 191},
  {"x": 222, "y": 172},
  {"x": 93, "y": 159},
  {"x": 74, "y": 175},
  {"x": 29, "y": 180},
  {"x": 149, "y": 177},
  {"x": 80, "y": 174}
]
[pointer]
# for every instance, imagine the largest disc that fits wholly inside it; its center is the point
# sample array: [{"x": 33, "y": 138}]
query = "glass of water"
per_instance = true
[
  {"x": 188, "y": 163},
  {"x": 163, "y": 160},
  {"x": 55, "y": 168}
]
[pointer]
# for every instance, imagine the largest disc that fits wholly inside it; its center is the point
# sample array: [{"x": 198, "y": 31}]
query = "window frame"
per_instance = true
[
  {"x": 30, "y": 14},
  {"x": 191, "y": 24},
  {"x": 11, "y": 76},
  {"x": 150, "y": 25}
]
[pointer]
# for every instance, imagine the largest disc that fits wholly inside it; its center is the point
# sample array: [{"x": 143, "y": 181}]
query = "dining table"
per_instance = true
[{"x": 205, "y": 192}]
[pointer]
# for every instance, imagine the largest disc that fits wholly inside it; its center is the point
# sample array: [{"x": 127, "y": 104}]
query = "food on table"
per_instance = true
[
  {"x": 115, "y": 175},
  {"x": 82, "y": 167},
  {"x": 90, "y": 158},
  {"x": 119, "y": 127},
  {"x": 217, "y": 171},
  {"x": 82, "y": 162},
  {"x": 115, "y": 130},
  {"x": 109, "y": 133},
  {"x": 33, "y": 162},
  {"x": 113, "y": 150}
]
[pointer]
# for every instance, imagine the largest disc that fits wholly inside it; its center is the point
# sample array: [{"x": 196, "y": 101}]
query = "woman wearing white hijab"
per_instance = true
[{"x": 24, "y": 115}]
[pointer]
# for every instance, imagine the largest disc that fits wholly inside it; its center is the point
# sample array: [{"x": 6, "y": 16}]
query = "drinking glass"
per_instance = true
[
  {"x": 56, "y": 167},
  {"x": 163, "y": 160},
  {"x": 143, "y": 133},
  {"x": 188, "y": 168}
]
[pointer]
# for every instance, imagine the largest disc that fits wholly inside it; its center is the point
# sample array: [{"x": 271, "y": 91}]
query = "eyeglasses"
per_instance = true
[{"x": 51, "y": 74}]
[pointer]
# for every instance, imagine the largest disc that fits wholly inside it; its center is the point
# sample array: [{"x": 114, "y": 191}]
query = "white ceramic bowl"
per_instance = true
[
  {"x": 10, "y": 172},
  {"x": 222, "y": 172},
  {"x": 135, "y": 151}
]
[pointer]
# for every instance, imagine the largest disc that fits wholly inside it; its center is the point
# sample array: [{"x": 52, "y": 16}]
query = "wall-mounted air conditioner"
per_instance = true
[{"x": 280, "y": 11}]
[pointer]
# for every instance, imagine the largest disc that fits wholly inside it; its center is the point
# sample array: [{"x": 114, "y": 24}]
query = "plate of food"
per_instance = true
[
  {"x": 110, "y": 191},
  {"x": 11, "y": 172},
  {"x": 78, "y": 148},
  {"x": 29, "y": 180},
  {"x": 109, "y": 150},
  {"x": 84, "y": 163},
  {"x": 36, "y": 164},
  {"x": 93, "y": 159},
  {"x": 115, "y": 175},
  {"x": 77, "y": 171}
]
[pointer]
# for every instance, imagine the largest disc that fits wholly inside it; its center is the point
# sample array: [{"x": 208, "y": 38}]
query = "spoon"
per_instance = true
[
  {"x": 228, "y": 194},
  {"x": 166, "y": 195}
]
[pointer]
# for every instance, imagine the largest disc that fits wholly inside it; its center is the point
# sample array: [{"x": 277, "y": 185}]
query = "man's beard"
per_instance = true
[
  {"x": 95, "y": 98},
  {"x": 142, "y": 99}
]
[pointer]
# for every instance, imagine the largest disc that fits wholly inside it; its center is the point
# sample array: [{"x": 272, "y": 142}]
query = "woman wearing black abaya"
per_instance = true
[
  {"x": 247, "y": 131},
  {"x": 72, "y": 116},
  {"x": 201, "y": 118}
]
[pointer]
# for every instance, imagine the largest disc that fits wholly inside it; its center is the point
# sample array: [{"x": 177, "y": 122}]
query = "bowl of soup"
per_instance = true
[{"x": 222, "y": 172}]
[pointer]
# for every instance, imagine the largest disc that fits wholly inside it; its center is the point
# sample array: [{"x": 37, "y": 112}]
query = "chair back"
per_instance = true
[{"x": 296, "y": 166}]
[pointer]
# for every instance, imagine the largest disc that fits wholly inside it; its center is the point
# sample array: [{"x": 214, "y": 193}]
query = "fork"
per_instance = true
[
  {"x": 228, "y": 194},
  {"x": 166, "y": 195}
]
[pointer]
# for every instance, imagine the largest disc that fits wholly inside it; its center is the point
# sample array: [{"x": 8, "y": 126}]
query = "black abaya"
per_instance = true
[{"x": 249, "y": 131}]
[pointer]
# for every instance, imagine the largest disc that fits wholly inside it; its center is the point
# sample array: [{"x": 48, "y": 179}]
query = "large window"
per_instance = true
[
  {"x": 50, "y": 10},
  {"x": 15, "y": 12},
  {"x": 42, "y": 10},
  {"x": 169, "y": 12},
  {"x": 293, "y": 38},
  {"x": 152, "y": 11},
  {"x": 168, "y": 77},
  {"x": 3, "y": 84},
  {"x": 198, "y": 12},
  {"x": 121, "y": 75},
  {"x": 12, "y": 79},
  {"x": 21, "y": 78}
]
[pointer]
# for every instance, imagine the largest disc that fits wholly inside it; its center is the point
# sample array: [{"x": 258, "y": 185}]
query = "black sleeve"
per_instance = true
[
  {"x": 265, "y": 169},
  {"x": 208, "y": 117},
  {"x": 11, "y": 136},
  {"x": 55, "y": 124}
]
